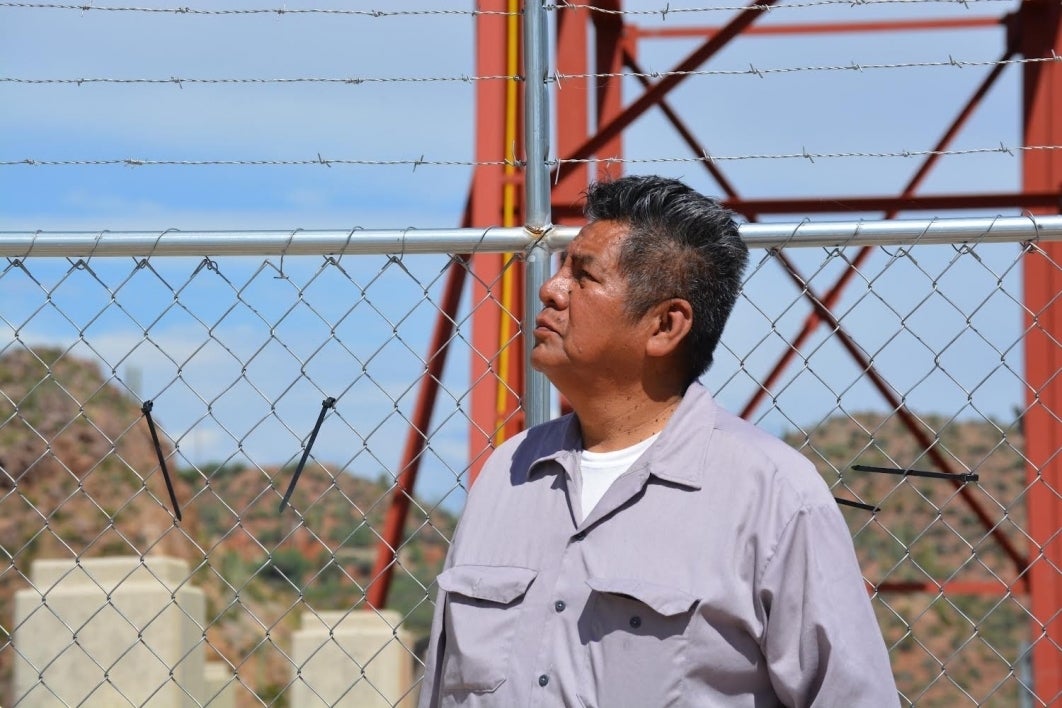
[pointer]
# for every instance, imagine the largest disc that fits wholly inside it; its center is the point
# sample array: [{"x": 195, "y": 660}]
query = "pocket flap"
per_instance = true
[
  {"x": 663, "y": 599},
  {"x": 494, "y": 583}
]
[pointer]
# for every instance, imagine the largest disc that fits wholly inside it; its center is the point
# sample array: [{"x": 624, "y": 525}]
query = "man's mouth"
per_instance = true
[{"x": 542, "y": 325}]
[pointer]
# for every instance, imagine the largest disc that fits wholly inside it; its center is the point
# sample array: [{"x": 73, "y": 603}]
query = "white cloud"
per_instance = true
[
  {"x": 248, "y": 381},
  {"x": 838, "y": 111}
]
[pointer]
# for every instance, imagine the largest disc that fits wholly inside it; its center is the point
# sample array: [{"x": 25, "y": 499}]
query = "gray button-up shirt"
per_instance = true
[{"x": 717, "y": 571}]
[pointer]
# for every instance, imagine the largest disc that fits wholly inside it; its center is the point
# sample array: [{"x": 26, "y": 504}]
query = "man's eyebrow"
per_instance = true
[{"x": 582, "y": 259}]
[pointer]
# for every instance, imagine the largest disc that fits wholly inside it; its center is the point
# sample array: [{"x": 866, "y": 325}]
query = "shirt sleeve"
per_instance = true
[{"x": 822, "y": 641}]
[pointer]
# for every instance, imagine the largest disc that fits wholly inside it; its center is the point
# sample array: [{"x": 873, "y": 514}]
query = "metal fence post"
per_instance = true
[{"x": 536, "y": 186}]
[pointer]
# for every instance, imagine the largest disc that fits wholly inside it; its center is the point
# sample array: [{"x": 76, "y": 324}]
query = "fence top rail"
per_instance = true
[{"x": 891, "y": 232}]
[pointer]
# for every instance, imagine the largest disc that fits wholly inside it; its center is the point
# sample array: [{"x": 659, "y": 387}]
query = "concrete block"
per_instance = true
[
  {"x": 353, "y": 659},
  {"x": 109, "y": 632},
  {"x": 220, "y": 685}
]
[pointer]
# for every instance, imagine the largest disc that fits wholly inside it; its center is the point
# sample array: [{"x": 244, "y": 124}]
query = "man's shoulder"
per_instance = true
[
  {"x": 702, "y": 415},
  {"x": 768, "y": 456},
  {"x": 741, "y": 432}
]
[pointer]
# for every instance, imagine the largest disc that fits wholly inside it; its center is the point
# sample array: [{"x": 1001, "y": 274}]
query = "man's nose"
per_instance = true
[{"x": 553, "y": 292}]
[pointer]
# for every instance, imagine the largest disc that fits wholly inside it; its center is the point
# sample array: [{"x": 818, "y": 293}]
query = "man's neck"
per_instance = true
[{"x": 615, "y": 421}]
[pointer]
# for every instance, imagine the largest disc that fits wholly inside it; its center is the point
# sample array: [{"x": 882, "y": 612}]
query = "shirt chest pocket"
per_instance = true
[
  {"x": 637, "y": 632},
  {"x": 482, "y": 608}
]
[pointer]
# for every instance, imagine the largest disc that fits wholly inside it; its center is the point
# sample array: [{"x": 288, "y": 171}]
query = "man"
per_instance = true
[{"x": 650, "y": 549}]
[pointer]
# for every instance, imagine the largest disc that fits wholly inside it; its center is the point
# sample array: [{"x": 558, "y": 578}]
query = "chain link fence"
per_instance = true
[
  {"x": 199, "y": 446},
  {"x": 235, "y": 356},
  {"x": 245, "y": 367}
]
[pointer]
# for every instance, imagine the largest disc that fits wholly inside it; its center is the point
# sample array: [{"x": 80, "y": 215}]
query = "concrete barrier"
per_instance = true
[
  {"x": 220, "y": 685},
  {"x": 355, "y": 659},
  {"x": 109, "y": 631}
]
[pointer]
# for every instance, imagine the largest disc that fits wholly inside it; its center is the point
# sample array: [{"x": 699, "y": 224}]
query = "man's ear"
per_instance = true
[{"x": 672, "y": 320}]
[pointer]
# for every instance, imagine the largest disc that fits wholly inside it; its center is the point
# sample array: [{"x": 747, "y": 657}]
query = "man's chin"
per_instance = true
[
  {"x": 536, "y": 364},
  {"x": 541, "y": 360}
]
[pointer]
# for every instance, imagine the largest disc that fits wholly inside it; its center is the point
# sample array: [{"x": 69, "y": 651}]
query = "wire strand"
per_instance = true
[
  {"x": 328, "y": 162},
  {"x": 557, "y": 77},
  {"x": 247, "y": 11}
]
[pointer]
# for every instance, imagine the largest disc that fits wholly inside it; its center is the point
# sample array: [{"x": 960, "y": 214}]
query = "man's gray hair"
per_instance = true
[{"x": 681, "y": 244}]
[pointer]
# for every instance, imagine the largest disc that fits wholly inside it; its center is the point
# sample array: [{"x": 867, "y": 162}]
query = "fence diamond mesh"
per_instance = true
[
  {"x": 244, "y": 366},
  {"x": 198, "y": 455}
]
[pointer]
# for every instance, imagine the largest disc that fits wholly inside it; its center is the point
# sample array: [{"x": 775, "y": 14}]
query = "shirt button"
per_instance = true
[
  {"x": 559, "y": 605},
  {"x": 543, "y": 680},
  {"x": 636, "y": 622}
]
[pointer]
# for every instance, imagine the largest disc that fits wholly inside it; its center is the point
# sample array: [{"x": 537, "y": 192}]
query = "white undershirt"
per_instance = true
[{"x": 601, "y": 469}]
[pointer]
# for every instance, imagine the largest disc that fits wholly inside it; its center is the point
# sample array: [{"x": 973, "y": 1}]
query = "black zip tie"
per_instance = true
[
  {"x": 325, "y": 405},
  {"x": 963, "y": 477},
  {"x": 858, "y": 505},
  {"x": 146, "y": 410}
]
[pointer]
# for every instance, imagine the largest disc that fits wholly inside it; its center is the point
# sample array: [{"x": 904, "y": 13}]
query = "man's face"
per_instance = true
[{"x": 583, "y": 333}]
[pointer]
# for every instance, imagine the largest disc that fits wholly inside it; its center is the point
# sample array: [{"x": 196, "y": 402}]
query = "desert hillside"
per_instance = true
[
  {"x": 79, "y": 477},
  {"x": 955, "y": 648}
]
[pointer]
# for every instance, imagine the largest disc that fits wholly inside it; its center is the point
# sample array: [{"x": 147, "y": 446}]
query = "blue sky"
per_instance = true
[{"x": 970, "y": 319}]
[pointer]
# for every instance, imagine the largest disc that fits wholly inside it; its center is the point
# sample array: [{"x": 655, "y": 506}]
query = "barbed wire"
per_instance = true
[
  {"x": 666, "y": 10},
  {"x": 558, "y": 78},
  {"x": 812, "y": 156},
  {"x": 663, "y": 12},
  {"x": 353, "y": 80},
  {"x": 853, "y": 66},
  {"x": 421, "y": 162},
  {"x": 319, "y": 160},
  {"x": 184, "y": 10}
]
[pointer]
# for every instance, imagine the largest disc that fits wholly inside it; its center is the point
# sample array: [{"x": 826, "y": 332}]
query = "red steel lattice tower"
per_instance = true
[{"x": 590, "y": 43}]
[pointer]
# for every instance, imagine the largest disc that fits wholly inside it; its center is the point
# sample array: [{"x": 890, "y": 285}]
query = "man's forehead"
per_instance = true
[{"x": 596, "y": 238}]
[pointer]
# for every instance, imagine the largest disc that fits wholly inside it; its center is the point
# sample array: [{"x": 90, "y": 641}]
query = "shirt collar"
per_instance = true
[
  {"x": 560, "y": 442},
  {"x": 679, "y": 455}
]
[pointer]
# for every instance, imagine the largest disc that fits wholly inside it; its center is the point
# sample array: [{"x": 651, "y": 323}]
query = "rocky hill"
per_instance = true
[
  {"x": 956, "y": 647},
  {"x": 79, "y": 477}
]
